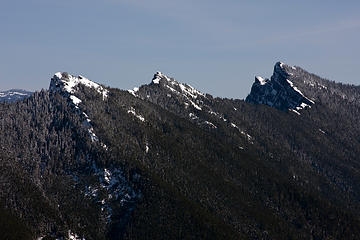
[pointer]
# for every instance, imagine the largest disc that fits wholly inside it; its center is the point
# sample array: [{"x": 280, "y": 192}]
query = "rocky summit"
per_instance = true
[{"x": 280, "y": 91}]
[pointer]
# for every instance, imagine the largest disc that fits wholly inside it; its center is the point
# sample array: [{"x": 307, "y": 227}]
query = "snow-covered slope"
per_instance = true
[
  {"x": 67, "y": 85},
  {"x": 279, "y": 91},
  {"x": 65, "y": 82},
  {"x": 13, "y": 95}
]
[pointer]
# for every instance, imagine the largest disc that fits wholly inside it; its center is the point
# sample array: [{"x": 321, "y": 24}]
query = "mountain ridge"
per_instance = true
[
  {"x": 279, "y": 91},
  {"x": 166, "y": 161}
]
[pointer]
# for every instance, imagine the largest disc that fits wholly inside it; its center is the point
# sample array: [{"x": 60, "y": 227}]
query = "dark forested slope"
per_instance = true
[{"x": 165, "y": 161}]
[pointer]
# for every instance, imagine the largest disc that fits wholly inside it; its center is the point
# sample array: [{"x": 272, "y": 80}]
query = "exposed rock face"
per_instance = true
[
  {"x": 64, "y": 82},
  {"x": 279, "y": 91},
  {"x": 172, "y": 95},
  {"x": 164, "y": 86}
]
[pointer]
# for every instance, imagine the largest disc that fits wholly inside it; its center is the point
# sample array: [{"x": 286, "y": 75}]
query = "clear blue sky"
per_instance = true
[{"x": 216, "y": 46}]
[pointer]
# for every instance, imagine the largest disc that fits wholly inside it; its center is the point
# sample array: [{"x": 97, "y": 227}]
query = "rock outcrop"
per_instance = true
[{"x": 279, "y": 91}]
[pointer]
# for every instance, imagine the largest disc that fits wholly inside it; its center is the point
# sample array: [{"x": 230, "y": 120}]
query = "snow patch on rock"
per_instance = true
[
  {"x": 293, "y": 110},
  {"x": 234, "y": 126},
  {"x": 133, "y": 112},
  {"x": 195, "y": 105},
  {"x": 193, "y": 116},
  {"x": 134, "y": 91},
  {"x": 279, "y": 92},
  {"x": 210, "y": 124},
  {"x": 249, "y": 138},
  {"x": 158, "y": 76},
  {"x": 73, "y": 236},
  {"x": 66, "y": 84},
  {"x": 217, "y": 115},
  {"x": 114, "y": 187},
  {"x": 260, "y": 80}
]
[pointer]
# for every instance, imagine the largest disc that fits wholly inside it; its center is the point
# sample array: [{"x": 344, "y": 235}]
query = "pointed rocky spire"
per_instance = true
[{"x": 279, "y": 91}]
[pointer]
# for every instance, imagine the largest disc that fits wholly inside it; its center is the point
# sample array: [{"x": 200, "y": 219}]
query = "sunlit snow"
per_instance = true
[{"x": 132, "y": 111}]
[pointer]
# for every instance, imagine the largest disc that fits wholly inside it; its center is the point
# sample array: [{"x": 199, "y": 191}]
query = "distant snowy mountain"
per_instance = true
[{"x": 13, "y": 95}]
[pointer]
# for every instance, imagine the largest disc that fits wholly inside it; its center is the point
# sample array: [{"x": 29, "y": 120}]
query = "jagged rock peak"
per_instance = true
[
  {"x": 280, "y": 70},
  {"x": 260, "y": 81},
  {"x": 177, "y": 87},
  {"x": 65, "y": 82},
  {"x": 279, "y": 92},
  {"x": 158, "y": 76},
  {"x": 170, "y": 86}
]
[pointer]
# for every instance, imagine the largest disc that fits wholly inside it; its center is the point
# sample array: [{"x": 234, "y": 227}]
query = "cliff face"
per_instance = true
[{"x": 279, "y": 92}]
